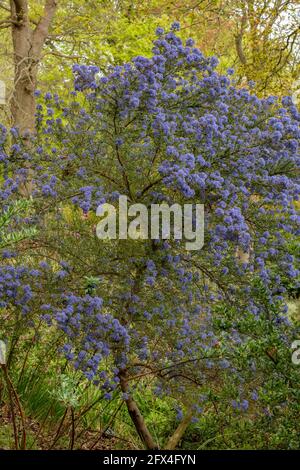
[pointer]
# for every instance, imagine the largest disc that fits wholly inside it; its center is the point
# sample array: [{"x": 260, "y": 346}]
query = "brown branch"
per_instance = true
[
  {"x": 62, "y": 56},
  {"x": 4, "y": 7},
  {"x": 150, "y": 185},
  {"x": 8, "y": 22},
  {"x": 41, "y": 31},
  {"x": 111, "y": 420},
  {"x": 179, "y": 432},
  {"x": 19, "y": 10},
  {"x": 239, "y": 40},
  {"x": 72, "y": 439},
  {"x": 7, "y": 25},
  {"x": 135, "y": 414}
]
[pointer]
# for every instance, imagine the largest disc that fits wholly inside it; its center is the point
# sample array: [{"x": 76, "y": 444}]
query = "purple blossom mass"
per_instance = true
[{"x": 168, "y": 128}]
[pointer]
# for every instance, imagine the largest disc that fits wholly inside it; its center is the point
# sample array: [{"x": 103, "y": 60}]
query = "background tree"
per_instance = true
[
  {"x": 267, "y": 42},
  {"x": 259, "y": 39},
  {"x": 28, "y": 38}
]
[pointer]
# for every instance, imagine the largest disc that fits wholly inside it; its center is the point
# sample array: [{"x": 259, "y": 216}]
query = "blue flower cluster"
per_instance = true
[{"x": 168, "y": 128}]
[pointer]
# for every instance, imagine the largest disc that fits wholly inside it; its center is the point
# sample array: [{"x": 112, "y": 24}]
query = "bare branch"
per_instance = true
[
  {"x": 41, "y": 31},
  {"x": 19, "y": 10},
  {"x": 4, "y": 7},
  {"x": 239, "y": 40},
  {"x": 6, "y": 23}
]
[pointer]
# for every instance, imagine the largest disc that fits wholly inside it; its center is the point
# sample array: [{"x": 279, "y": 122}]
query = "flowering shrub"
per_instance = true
[{"x": 207, "y": 325}]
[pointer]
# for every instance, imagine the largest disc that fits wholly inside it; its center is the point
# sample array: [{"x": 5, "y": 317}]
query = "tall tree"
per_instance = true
[
  {"x": 259, "y": 39},
  {"x": 267, "y": 42},
  {"x": 28, "y": 39}
]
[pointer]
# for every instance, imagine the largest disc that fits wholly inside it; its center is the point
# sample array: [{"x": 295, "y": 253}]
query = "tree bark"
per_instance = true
[
  {"x": 27, "y": 45},
  {"x": 179, "y": 432},
  {"x": 239, "y": 39},
  {"x": 136, "y": 415}
]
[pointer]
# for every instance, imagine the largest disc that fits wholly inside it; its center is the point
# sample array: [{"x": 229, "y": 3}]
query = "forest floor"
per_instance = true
[{"x": 40, "y": 438}]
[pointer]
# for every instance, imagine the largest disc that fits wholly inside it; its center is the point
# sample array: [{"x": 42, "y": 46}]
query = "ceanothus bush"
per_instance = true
[{"x": 169, "y": 129}]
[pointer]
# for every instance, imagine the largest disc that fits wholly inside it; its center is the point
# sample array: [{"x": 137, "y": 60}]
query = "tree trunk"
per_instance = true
[
  {"x": 136, "y": 415},
  {"x": 27, "y": 45},
  {"x": 179, "y": 432}
]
